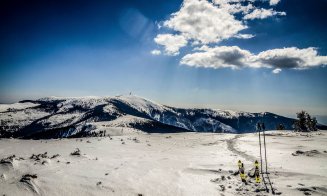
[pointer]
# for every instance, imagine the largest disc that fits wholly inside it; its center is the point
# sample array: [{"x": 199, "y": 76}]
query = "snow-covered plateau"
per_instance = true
[{"x": 131, "y": 162}]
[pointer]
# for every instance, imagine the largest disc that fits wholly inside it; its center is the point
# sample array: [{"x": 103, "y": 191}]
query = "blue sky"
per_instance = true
[{"x": 103, "y": 48}]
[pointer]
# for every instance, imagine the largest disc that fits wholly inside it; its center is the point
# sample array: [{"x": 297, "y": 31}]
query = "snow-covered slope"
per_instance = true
[
  {"x": 181, "y": 164},
  {"x": 54, "y": 117},
  {"x": 16, "y": 106}
]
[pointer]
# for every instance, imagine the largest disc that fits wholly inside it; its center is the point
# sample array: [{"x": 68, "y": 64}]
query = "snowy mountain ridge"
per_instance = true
[{"x": 54, "y": 117}]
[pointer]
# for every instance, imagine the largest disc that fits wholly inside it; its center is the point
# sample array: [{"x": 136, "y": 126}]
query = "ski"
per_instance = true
[
  {"x": 266, "y": 161},
  {"x": 264, "y": 182},
  {"x": 262, "y": 173},
  {"x": 272, "y": 189}
]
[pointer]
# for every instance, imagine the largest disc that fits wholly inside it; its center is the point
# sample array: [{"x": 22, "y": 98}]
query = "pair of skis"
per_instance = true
[{"x": 259, "y": 129}]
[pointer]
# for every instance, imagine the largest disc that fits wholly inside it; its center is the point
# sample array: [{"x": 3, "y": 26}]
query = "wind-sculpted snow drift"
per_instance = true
[{"x": 77, "y": 117}]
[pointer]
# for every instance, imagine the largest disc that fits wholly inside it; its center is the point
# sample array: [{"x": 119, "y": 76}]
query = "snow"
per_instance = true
[
  {"x": 135, "y": 163},
  {"x": 22, "y": 117},
  {"x": 54, "y": 98},
  {"x": 231, "y": 113},
  {"x": 124, "y": 121},
  {"x": 84, "y": 102},
  {"x": 110, "y": 109},
  {"x": 149, "y": 107},
  {"x": 62, "y": 119},
  {"x": 142, "y": 104},
  {"x": 215, "y": 125},
  {"x": 16, "y": 106}
]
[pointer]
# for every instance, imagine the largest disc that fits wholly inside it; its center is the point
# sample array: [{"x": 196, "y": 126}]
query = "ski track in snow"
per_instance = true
[{"x": 231, "y": 146}]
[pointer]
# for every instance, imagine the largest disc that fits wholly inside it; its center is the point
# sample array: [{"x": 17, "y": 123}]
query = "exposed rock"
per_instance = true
[
  {"x": 28, "y": 180},
  {"x": 55, "y": 156},
  {"x": 77, "y": 152},
  {"x": 306, "y": 153},
  {"x": 28, "y": 177},
  {"x": 8, "y": 160}
]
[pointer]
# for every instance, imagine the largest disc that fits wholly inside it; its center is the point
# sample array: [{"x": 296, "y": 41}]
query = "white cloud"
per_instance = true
[
  {"x": 234, "y": 7},
  {"x": 208, "y": 22},
  {"x": 156, "y": 52},
  {"x": 172, "y": 43},
  {"x": 262, "y": 14},
  {"x": 274, "y": 2},
  {"x": 235, "y": 57},
  {"x": 244, "y": 36},
  {"x": 218, "y": 57},
  {"x": 292, "y": 58},
  {"x": 276, "y": 71},
  {"x": 202, "y": 21}
]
